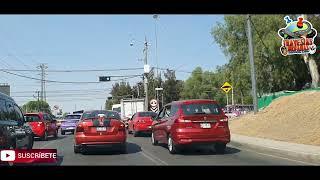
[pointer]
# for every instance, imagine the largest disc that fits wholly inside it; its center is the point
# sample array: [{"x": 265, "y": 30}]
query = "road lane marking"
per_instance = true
[
  {"x": 277, "y": 156},
  {"x": 150, "y": 158},
  {"x": 155, "y": 157}
]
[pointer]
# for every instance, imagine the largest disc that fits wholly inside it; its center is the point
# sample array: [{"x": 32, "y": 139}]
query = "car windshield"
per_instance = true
[
  {"x": 193, "y": 109},
  {"x": 32, "y": 118},
  {"x": 72, "y": 117},
  {"x": 147, "y": 114}
]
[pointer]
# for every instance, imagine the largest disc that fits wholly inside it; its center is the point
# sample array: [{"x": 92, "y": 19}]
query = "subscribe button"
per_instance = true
[{"x": 29, "y": 156}]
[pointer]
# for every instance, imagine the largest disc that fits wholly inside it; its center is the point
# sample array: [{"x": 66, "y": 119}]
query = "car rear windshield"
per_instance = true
[
  {"x": 194, "y": 109},
  {"x": 32, "y": 118},
  {"x": 147, "y": 114},
  {"x": 73, "y": 117},
  {"x": 108, "y": 114}
]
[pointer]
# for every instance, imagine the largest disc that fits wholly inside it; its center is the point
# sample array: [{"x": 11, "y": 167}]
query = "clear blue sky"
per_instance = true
[{"x": 100, "y": 42}]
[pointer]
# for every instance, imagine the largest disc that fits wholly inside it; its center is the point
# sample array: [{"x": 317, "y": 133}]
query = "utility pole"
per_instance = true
[
  {"x": 227, "y": 99},
  {"x": 38, "y": 101},
  {"x": 146, "y": 71},
  {"x": 253, "y": 75},
  {"x": 43, "y": 67},
  {"x": 232, "y": 100},
  {"x": 155, "y": 17}
]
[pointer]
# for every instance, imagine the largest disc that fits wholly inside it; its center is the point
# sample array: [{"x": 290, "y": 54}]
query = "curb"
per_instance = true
[{"x": 313, "y": 159}]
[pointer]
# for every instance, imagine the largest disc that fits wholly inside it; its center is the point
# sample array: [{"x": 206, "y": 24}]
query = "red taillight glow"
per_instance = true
[
  {"x": 40, "y": 123},
  {"x": 224, "y": 119},
  {"x": 122, "y": 127}
]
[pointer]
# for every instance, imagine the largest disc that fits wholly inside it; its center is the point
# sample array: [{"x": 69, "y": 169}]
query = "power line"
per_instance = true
[
  {"x": 67, "y": 90},
  {"x": 74, "y": 70}
]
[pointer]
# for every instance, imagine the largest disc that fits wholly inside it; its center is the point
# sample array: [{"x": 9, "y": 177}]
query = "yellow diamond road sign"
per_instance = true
[{"x": 226, "y": 87}]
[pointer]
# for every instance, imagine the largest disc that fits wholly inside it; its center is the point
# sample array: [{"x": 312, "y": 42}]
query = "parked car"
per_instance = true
[
  {"x": 69, "y": 123},
  {"x": 100, "y": 128},
  {"x": 14, "y": 132},
  {"x": 42, "y": 125},
  {"x": 191, "y": 123},
  {"x": 141, "y": 122}
]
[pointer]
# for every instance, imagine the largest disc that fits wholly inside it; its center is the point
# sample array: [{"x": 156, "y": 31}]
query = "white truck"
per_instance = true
[
  {"x": 116, "y": 107},
  {"x": 130, "y": 106}
]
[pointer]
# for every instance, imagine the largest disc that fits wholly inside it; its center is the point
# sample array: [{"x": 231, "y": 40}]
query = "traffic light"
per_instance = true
[{"x": 104, "y": 78}]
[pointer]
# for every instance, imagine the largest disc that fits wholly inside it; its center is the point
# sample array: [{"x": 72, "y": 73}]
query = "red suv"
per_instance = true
[
  {"x": 191, "y": 122},
  {"x": 141, "y": 122},
  {"x": 100, "y": 129},
  {"x": 42, "y": 125}
]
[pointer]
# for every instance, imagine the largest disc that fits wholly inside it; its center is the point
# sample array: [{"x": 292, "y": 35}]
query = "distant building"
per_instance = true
[{"x": 5, "y": 88}]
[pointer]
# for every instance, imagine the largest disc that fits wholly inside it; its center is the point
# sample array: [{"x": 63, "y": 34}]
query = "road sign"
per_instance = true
[
  {"x": 158, "y": 89},
  {"x": 154, "y": 105},
  {"x": 104, "y": 78},
  {"x": 226, "y": 87}
]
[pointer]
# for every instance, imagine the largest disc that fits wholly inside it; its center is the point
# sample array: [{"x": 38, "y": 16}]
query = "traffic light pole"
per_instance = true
[{"x": 253, "y": 75}]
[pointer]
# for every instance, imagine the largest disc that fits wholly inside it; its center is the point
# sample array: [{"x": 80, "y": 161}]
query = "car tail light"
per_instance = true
[
  {"x": 122, "y": 127},
  {"x": 40, "y": 123},
  {"x": 225, "y": 119},
  {"x": 80, "y": 128}
]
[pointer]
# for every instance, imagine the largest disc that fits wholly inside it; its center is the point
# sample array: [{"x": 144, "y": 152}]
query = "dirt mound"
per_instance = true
[{"x": 294, "y": 118}]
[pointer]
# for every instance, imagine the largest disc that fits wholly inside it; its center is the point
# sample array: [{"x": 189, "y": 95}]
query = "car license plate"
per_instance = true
[
  {"x": 205, "y": 125},
  {"x": 101, "y": 128},
  {"x": 70, "y": 128}
]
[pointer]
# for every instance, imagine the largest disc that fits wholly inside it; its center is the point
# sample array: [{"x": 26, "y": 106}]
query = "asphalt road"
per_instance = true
[{"x": 142, "y": 152}]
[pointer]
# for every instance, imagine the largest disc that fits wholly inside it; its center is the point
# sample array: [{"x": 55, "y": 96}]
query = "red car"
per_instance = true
[
  {"x": 42, "y": 125},
  {"x": 191, "y": 122},
  {"x": 141, "y": 122},
  {"x": 100, "y": 128}
]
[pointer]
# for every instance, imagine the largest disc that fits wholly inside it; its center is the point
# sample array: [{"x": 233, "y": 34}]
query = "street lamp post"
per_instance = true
[{"x": 146, "y": 68}]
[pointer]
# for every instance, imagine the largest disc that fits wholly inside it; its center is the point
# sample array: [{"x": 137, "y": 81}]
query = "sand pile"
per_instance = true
[{"x": 294, "y": 118}]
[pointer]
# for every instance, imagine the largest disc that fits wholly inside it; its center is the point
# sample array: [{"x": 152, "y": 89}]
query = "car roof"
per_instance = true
[
  {"x": 190, "y": 101},
  {"x": 91, "y": 111},
  {"x": 38, "y": 113}
]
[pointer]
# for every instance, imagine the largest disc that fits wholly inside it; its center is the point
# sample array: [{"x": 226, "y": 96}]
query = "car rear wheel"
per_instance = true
[
  {"x": 30, "y": 142},
  {"x": 72, "y": 132},
  {"x": 172, "y": 147},
  {"x": 153, "y": 140},
  {"x": 56, "y": 134},
  {"x": 220, "y": 148},
  {"x": 76, "y": 149},
  {"x": 45, "y": 136},
  {"x": 62, "y": 132},
  {"x": 135, "y": 133}
]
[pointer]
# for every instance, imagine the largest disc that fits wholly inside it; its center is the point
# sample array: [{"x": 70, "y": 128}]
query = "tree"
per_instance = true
[
  {"x": 36, "y": 106},
  {"x": 274, "y": 72},
  {"x": 171, "y": 87}
]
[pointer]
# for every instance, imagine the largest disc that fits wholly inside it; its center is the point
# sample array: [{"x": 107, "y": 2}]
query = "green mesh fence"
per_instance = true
[{"x": 264, "y": 101}]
